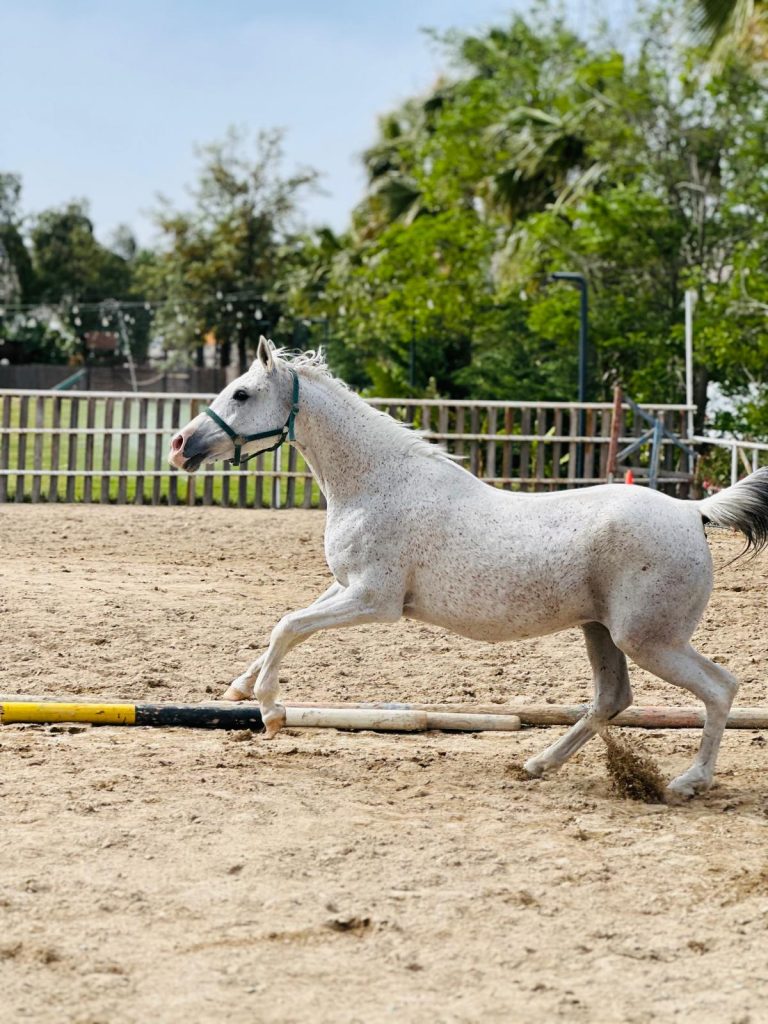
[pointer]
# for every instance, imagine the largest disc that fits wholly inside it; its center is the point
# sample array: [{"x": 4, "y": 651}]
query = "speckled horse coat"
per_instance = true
[{"x": 409, "y": 532}]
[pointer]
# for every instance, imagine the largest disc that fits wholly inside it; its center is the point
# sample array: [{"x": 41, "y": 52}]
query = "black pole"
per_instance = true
[{"x": 581, "y": 283}]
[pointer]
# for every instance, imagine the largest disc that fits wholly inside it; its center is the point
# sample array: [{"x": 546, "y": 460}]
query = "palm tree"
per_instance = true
[
  {"x": 548, "y": 158},
  {"x": 393, "y": 192},
  {"x": 727, "y": 25}
]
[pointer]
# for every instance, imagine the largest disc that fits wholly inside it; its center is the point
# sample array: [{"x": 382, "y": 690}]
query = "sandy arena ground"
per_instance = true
[{"x": 165, "y": 876}]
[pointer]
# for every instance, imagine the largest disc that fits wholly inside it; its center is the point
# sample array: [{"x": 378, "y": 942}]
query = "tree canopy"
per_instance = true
[
  {"x": 230, "y": 246},
  {"x": 543, "y": 152}
]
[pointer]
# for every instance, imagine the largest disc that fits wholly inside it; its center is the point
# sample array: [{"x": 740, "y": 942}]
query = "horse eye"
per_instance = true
[{"x": 240, "y": 396}]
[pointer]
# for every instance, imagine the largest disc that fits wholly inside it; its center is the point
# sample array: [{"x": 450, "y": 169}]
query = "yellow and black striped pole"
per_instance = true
[{"x": 199, "y": 716}]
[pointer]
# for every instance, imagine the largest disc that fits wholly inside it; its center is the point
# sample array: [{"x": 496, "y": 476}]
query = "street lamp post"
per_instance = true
[{"x": 581, "y": 283}]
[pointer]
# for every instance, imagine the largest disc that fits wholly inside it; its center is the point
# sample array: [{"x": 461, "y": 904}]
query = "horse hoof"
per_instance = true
[
  {"x": 534, "y": 768},
  {"x": 675, "y": 796},
  {"x": 233, "y": 693},
  {"x": 273, "y": 722},
  {"x": 683, "y": 788}
]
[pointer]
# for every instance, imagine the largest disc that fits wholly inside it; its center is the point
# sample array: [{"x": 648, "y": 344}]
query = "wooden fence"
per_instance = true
[{"x": 112, "y": 447}]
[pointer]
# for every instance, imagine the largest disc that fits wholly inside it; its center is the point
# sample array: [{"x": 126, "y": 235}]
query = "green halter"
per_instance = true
[{"x": 286, "y": 432}]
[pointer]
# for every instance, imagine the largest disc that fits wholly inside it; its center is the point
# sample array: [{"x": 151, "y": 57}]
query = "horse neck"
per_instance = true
[{"x": 336, "y": 433}]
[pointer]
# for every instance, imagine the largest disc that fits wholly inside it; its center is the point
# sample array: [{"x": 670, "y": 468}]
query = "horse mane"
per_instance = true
[{"x": 314, "y": 365}]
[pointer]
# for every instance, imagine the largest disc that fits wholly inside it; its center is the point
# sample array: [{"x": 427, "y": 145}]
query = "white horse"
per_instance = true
[{"x": 409, "y": 532}]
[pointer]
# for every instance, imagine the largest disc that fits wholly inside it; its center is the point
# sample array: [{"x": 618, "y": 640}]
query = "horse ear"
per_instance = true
[{"x": 264, "y": 354}]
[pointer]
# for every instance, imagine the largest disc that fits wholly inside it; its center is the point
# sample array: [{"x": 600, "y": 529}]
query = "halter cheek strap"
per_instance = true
[{"x": 284, "y": 433}]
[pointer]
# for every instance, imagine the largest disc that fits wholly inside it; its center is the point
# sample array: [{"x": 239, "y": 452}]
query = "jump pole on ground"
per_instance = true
[
  {"x": 248, "y": 716},
  {"x": 380, "y": 717}
]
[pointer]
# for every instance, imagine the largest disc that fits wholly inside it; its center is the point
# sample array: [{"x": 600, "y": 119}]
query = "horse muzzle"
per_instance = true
[{"x": 187, "y": 452}]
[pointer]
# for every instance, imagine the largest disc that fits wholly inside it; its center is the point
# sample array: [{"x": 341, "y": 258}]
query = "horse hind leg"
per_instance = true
[
  {"x": 682, "y": 665},
  {"x": 612, "y": 695}
]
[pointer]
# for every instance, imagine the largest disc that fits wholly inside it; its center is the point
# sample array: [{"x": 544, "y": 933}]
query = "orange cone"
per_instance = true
[{"x": 629, "y": 477}]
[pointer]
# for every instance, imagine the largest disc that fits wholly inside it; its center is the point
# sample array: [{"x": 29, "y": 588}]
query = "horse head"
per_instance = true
[{"x": 242, "y": 417}]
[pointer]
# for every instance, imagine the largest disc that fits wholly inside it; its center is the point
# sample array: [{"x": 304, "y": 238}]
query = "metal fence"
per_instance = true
[
  {"x": 744, "y": 456},
  {"x": 112, "y": 446}
]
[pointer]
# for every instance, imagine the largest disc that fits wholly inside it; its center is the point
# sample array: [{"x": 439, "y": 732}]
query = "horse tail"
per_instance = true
[{"x": 743, "y": 507}]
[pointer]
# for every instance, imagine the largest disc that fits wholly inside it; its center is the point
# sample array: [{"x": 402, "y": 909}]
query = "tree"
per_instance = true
[
  {"x": 25, "y": 335},
  {"x": 220, "y": 266},
  {"x": 681, "y": 202},
  {"x": 70, "y": 264},
  {"x": 408, "y": 302},
  {"x": 725, "y": 26},
  {"x": 16, "y": 274},
  {"x": 72, "y": 269},
  {"x": 450, "y": 174},
  {"x": 544, "y": 153}
]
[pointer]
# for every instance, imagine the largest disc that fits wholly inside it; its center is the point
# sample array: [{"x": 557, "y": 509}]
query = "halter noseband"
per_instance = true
[{"x": 286, "y": 432}]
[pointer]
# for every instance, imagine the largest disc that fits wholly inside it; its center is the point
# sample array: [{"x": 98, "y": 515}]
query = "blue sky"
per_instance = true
[{"x": 107, "y": 101}]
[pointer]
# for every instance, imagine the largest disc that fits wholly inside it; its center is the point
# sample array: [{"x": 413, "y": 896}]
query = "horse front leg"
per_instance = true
[
  {"x": 242, "y": 687},
  {"x": 352, "y": 607}
]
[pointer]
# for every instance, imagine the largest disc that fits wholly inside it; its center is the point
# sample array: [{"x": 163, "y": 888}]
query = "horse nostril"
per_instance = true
[{"x": 178, "y": 442}]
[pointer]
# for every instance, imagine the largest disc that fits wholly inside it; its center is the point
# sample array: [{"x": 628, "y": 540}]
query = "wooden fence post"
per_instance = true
[
  {"x": 90, "y": 421},
  {"x": 141, "y": 452},
  {"x": 617, "y": 420},
  {"x": 159, "y": 455},
  {"x": 53, "y": 485},
  {"x": 21, "y": 449},
  {"x": 125, "y": 423},
  {"x": 5, "y": 444}
]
